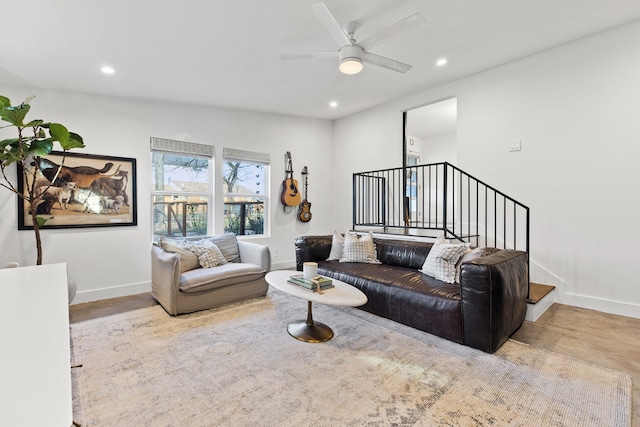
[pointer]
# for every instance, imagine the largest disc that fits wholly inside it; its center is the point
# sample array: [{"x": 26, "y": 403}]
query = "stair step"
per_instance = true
[{"x": 538, "y": 291}]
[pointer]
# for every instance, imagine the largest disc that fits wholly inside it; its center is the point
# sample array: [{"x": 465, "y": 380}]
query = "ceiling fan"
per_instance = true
[{"x": 351, "y": 54}]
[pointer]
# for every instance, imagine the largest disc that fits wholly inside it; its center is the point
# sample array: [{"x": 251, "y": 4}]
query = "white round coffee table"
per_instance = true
[{"x": 342, "y": 294}]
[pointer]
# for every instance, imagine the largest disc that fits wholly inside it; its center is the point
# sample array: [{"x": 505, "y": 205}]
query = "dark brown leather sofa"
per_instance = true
[{"x": 487, "y": 307}]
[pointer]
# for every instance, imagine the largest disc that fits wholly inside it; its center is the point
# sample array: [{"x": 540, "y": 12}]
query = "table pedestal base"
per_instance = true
[{"x": 308, "y": 330}]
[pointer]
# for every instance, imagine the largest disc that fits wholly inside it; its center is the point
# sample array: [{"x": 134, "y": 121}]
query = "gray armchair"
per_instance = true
[{"x": 180, "y": 291}]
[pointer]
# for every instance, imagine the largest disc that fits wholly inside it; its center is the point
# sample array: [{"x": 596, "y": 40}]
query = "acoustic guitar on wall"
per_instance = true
[
  {"x": 304, "y": 210},
  {"x": 290, "y": 195}
]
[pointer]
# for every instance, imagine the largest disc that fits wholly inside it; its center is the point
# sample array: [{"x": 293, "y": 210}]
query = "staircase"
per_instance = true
[
  {"x": 440, "y": 199},
  {"x": 541, "y": 297}
]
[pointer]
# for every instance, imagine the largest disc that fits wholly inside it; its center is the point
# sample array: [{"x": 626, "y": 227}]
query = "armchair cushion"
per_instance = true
[
  {"x": 228, "y": 245},
  {"x": 232, "y": 273}
]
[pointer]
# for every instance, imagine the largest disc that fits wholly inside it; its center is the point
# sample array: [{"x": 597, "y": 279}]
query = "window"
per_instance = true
[
  {"x": 181, "y": 189},
  {"x": 246, "y": 190}
]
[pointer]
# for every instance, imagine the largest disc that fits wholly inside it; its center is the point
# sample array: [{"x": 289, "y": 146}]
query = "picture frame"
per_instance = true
[{"x": 90, "y": 191}]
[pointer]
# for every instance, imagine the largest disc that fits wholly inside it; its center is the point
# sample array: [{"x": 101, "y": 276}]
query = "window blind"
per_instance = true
[
  {"x": 248, "y": 156},
  {"x": 182, "y": 147}
]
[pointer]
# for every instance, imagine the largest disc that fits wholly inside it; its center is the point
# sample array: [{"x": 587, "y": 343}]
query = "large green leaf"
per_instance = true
[
  {"x": 13, "y": 155},
  {"x": 8, "y": 142},
  {"x": 4, "y": 102},
  {"x": 34, "y": 123},
  {"x": 7, "y": 157},
  {"x": 15, "y": 115},
  {"x": 41, "y": 147},
  {"x": 75, "y": 141},
  {"x": 59, "y": 133}
]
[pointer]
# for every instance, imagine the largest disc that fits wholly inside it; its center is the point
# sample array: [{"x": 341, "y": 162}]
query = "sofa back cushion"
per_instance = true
[{"x": 402, "y": 253}]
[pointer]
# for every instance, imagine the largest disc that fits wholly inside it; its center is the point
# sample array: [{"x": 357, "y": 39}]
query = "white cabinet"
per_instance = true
[{"x": 35, "y": 360}]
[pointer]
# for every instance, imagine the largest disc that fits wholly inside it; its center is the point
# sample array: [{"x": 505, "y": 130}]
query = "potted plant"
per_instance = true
[{"x": 34, "y": 139}]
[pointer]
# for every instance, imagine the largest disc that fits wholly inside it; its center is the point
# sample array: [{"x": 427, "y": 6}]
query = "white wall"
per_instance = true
[
  {"x": 575, "y": 109},
  {"x": 441, "y": 148},
  {"x": 115, "y": 261}
]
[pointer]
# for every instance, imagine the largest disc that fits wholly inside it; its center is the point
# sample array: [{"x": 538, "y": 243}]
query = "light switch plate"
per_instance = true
[{"x": 515, "y": 146}]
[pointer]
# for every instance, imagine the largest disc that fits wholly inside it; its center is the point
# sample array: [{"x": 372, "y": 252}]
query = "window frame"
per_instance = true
[
  {"x": 184, "y": 149},
  {"x": 253, "y": 158}
]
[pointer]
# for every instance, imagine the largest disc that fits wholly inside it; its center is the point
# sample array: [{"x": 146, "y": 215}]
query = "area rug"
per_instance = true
[{"x": 238, "y": 366}]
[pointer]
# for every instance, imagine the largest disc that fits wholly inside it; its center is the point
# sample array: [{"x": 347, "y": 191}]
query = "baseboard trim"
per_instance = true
[
  {"x": 139, "y": 288},
  {"x": 113, "y": 292},
  {"x": 285, "y": 265},
  {"x": 600, "y": 304}
]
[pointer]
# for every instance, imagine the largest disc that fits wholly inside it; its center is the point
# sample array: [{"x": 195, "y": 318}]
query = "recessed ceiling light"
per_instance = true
[
  {"x": 107, "y": 70},
  {"x": 441, "y": 62},
  {"x": 333, "y": 104}
]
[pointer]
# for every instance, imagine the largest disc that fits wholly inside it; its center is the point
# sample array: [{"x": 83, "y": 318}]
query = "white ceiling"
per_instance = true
[{"x": 226, "y": 54}]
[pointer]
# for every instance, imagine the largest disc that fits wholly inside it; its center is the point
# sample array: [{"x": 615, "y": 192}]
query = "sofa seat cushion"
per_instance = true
[
  {"x": 404, "y": 295},
  {"x": 402, "y": 277},
  {"x": 204, "y": 279}
]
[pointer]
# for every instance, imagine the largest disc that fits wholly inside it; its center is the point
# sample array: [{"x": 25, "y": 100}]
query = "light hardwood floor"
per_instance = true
[{"x": 604, "y": 339}]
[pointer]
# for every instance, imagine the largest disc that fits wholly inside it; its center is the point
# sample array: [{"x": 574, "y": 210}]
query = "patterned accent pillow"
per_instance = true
[
  {"x": 441, "y": 260},
  {"x": 337, "y": 245},
  {"x": 209, "y": 255},
  {"x": 359, "y": 249},
  {"x": 188, "y": 260}
]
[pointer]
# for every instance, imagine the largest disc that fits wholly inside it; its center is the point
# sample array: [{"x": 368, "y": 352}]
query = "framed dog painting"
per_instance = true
[{"x": 81, "y": 190}]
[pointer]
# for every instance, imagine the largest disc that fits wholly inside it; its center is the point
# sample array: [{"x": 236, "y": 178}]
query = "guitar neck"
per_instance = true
[{"x": 289, "y": 169}]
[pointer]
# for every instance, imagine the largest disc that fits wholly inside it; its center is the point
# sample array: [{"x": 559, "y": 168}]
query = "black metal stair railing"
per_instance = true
[{"x": 443, "y": 198}]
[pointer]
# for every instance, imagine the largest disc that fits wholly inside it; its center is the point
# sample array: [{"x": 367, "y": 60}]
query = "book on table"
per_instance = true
[{"x": 312, "y": 285}]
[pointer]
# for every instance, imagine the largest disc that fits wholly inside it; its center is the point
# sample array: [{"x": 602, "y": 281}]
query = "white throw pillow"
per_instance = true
[
  {"x": 337, "y": 243},
  {"x": 441, "y": 260},
  {"x": 359, "y": 249}
]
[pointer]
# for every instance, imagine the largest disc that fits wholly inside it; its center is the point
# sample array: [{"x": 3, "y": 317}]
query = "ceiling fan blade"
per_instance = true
[
  {"x": 390, "y": 64},
  {"x": 330, "y": 24},
  {"x": 307, "y": 55},
  {"x": 339, "y": 79},
  {"x": 412, "y": 21}
]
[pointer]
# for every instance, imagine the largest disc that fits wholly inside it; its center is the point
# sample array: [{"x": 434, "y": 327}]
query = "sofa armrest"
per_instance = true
[
  {"x": 165, "y": 278},
  {"x": 493, "y": 293},
  {"x": 254, "y": 253},
  {"x": 312, "y": 248}
]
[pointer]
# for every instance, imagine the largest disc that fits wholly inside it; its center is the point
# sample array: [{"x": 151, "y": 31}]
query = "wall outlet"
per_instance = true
[
  {"x": 275, "y": 253},
  {"x": 515, "y": 146}
]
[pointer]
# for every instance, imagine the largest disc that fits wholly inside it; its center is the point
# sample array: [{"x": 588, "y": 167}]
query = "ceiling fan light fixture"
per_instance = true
[
  {"x": 351, "y": 59},
  {"x": 351, "y": 66}
]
